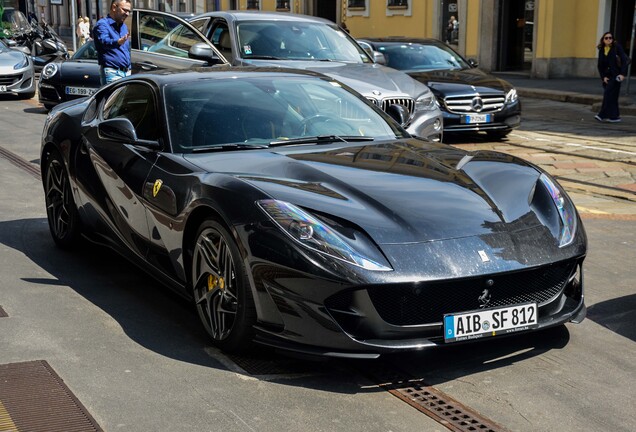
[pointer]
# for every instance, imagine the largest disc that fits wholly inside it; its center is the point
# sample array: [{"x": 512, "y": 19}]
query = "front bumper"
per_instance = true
[
  {"x": 18, "y": 81},
  {"x": 504, "y": 120},
  {"x": 426, "y": 124}
]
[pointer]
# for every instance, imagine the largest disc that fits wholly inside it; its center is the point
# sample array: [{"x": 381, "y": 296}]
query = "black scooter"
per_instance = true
[{"x": 43, "y": 43}]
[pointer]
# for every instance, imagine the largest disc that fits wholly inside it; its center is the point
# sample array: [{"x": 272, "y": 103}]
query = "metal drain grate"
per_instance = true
[
  {"x": 431, "y": 401},
  {"x": 34, "y": 398},
  {"x": 3, "y": 314}
]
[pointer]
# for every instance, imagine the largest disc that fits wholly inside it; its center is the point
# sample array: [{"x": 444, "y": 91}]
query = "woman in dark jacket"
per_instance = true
[{"x": 612, "y": 66}]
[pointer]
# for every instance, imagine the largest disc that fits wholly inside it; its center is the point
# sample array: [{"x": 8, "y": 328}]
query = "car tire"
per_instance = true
[
  {"x": 61, "y": 211},
  {"x": 498, "y": 135},
  {"x": 221, "y": 289}
]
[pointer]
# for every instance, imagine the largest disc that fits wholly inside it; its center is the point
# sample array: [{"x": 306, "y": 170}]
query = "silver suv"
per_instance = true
[{"x": 298, "y": 41}]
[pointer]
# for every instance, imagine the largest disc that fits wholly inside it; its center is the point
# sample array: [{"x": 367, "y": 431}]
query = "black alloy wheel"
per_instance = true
[
  {"x": 220, "y": 286},
  {"x": 61, "y": 211}
]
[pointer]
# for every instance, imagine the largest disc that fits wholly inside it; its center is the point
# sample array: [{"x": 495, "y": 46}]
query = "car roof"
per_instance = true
[{"x": 235, "y": 15}]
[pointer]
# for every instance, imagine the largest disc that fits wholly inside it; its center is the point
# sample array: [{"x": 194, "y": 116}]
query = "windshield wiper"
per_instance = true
[
  {"x": 320, "y": 139},
  {"x": 263, "y": 57},
  {"x": 225, "y": 147}
]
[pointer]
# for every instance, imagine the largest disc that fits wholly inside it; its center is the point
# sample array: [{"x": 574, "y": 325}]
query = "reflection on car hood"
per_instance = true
[
  {"x": 398, "y": 192},
  {"x": 365, "y": 78},
  {"x": 454, "y": 81}
]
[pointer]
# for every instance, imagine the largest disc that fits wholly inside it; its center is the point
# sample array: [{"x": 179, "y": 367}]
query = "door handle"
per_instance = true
[{"x": 148, "y": 66}]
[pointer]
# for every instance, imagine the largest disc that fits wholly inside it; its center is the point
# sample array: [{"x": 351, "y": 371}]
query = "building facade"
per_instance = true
[{"x": 540, "y": 38}]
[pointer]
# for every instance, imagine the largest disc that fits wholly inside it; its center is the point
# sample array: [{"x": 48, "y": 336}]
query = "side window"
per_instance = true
[
  {"x": 165, "y": 34},
  {"x": 200, "y": 24},
  {"x": 136, "y": 102}
]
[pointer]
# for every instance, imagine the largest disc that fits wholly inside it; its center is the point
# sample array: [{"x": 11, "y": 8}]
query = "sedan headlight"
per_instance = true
[
  {"x": 49, "y": 70},
  {"x": 314, "y": 234},
  {"x": 22, "y": 63},
  {"x": 512, "y": 96},
  {"x": 426, "y": 102},
  {"x": 565, "y": 209}
]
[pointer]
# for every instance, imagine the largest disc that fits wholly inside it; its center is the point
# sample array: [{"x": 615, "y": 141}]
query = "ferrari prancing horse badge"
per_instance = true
[{"x": 156, "y": 187}]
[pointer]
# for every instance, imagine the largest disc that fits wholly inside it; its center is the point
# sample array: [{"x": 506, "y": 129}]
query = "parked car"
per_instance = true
[
  {"x": 471, "y": 100},
  {"x": 17, "y": 75},
  {"x": 295, "y": 213},
  {"x": 159, "y": 41},
  {"x": 254, "y": 38},
  {"x": 76, "y": 77}
]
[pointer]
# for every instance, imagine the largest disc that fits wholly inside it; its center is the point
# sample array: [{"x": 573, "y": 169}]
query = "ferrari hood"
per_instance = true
[
  {"x": 398, "y": 192},
  {"x": 371, "y": 80},
  {"x": 450, "y": 82}
]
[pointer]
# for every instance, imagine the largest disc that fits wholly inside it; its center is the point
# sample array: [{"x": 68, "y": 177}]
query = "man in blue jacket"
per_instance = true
[{"x": 112, "y": 42}]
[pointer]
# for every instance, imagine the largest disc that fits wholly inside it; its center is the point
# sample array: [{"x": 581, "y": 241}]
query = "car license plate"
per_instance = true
[
  {"x": 490, "y": 322},
  {"x": 80, "y": 91},
  {"x": 3, "y": 88},
  {"x": 477, "y": 118}
]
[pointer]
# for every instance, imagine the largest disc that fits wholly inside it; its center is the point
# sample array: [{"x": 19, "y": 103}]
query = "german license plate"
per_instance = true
[
  {"x": 80, "y": 91},
  {"x": 490, "y": 322},
  {"x": 476, "y": 118},
  {"x": 3, "y": 88}
]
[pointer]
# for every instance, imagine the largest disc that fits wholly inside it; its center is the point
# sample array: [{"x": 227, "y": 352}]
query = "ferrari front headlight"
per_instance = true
[
  {"x": 565, "y": 209},
  {"x": 49, "y": 70},
  {"x": 312, "y": 233}
]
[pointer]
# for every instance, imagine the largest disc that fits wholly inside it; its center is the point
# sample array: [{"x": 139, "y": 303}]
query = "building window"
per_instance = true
[
  {"x": 398, "y": 3},
  {"x": 398, "y": 7},
  {"x": 253, "y": 4},
  {"x": 358, "y": 8},
  {"x": 282, "y": 5}
]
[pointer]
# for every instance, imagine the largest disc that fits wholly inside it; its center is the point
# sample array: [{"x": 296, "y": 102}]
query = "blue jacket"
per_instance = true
[
  {"x": 109, "y": 52},
  {"x": 608, "y": 65}
]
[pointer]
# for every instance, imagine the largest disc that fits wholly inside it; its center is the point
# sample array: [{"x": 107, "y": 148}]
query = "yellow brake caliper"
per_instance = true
[{"x": 215, "y": 281}]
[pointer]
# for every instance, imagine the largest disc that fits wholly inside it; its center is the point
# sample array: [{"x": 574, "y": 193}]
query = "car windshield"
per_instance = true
[
  {"x": 281, "y": 40},
  {"x": 417, "y": 56},
  {"x": 264, "y": 110},
  {"x": 86, "y": 52}
]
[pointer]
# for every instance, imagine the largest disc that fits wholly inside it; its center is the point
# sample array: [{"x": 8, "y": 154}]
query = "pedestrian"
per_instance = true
[
  {"x": 612, "y": 66},
  {"x": 83, "y": 30},
  {"x": 112, "y": 42}
]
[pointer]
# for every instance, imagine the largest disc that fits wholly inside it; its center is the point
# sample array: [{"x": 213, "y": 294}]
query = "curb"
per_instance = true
[{"x": 626, "y": 106}]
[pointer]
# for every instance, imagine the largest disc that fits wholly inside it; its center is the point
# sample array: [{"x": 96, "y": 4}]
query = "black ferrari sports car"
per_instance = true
[
  {"x": 296, "y": 214},
  {"x": 470, "y": 99}
]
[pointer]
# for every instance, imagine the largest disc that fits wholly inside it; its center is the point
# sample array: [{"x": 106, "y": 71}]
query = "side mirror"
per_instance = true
[
  {"x": 379, "y": 58},
  {"x": 122, "y": 130},
  {"x": 202, "y": 51},
  {"x": 399, "y": 113},
  {"x": 473, "y": 63}
]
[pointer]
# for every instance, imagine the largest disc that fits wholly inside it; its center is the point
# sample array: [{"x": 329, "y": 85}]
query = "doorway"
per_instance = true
[
  {"x": 516, "y": 35},
  {"x": 622, "y": 21},
  {"x": 326, "y": 9}
]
